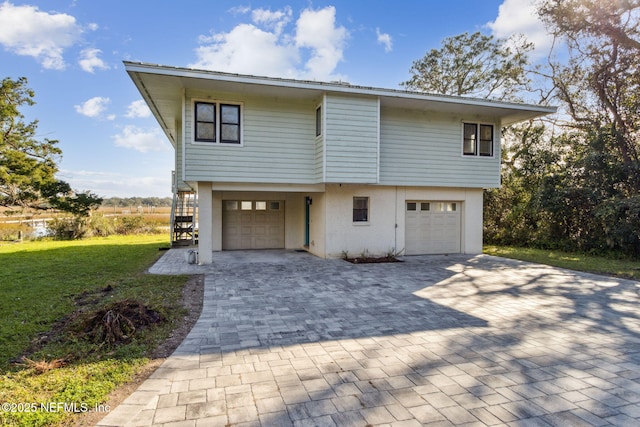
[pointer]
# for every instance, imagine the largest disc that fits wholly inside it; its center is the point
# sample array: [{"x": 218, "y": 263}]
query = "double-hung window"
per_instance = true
[
  {"x": 360, "y": 209},
  {"x": 477, "y": 140},
  {"x": 217, "y": 122}
]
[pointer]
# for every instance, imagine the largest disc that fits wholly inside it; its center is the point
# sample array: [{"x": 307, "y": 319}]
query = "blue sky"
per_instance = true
[{"x": 72, "y": 51}]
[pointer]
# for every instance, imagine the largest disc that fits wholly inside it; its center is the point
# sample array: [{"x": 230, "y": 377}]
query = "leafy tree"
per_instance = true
[
  {"x": 600, "y": 82},
  {"x": 511, "y": 213},
  {"x": 80, "y": 204},
  {"x": 473, "y": 65},
  {"x": 27, "y": 165},
  {"x": 599, "y": 85}
]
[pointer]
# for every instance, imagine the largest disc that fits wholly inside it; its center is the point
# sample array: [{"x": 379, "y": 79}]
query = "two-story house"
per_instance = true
[{"x": 327, "y": 167}]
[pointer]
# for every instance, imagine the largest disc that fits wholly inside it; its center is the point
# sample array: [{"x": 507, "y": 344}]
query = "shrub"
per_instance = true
[
  {"x": 11, "y": 232},
  {"x": 132, "y": 225},
  {"x": 101, "y": 226},
  {"x": 69, "y": 228}
]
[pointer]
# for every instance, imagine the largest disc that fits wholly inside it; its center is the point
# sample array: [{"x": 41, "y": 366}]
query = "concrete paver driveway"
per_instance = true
[{"x": 289, "y": 339}]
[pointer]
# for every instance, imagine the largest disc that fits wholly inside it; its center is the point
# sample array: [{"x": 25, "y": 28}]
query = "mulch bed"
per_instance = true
[{"x": 372, "y": 260}]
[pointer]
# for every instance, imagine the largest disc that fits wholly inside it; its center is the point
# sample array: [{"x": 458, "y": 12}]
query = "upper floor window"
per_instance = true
[
  {"x": 477, "y": 140},
  {"x": 319, "y": 121},
  {"x": 217, "y": 122},
  {"x": 205, "y": 122}
]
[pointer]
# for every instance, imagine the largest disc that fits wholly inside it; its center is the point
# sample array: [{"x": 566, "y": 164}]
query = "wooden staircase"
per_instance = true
[{"x": 183, "y": 219}]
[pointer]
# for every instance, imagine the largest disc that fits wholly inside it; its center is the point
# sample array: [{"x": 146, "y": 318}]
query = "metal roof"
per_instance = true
[{"x": 163, "y": 86}]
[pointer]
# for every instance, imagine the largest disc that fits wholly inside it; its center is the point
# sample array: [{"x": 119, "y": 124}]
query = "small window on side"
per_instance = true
[
  {"x": 319, "y": 121},
  {"x": 360, "y": 209},
  {"x": 424, "y": 206},
  {"x": 412, "y": 206},
  {"x": 261, "y": 206},
  {"x": 231, "y": 205}
]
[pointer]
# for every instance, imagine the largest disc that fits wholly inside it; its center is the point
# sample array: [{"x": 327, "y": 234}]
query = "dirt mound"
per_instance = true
[{"x": 117, "y": 322}]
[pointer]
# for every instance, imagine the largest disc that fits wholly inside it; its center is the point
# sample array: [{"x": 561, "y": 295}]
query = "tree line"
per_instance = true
[
  {"x": 137, "y": 201},
  {"x": 571, "y": 181}
]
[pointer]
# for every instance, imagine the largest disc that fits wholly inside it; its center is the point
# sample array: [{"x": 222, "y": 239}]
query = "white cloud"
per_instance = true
[
  {"x": 384, "y": 39},
  {"x": 240, "y": 10},
  {"x": 316, "y": 29},
  {"x": 249, "y": 50},
  {"x": 89, "y": 60},
  {"x": 27, "y": 31},
  {"x": 273, "y": 20},
  {"x": 521, "y": 17},
  {"x": 138, "y": 109},
  {"x": 94, "y": 107},
  {"x": 265, "y": 47},
  {"x": 143, "y": 140}
]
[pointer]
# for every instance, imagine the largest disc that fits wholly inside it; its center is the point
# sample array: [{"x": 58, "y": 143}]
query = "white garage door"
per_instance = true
[
  {"x": 252, "y": 224},
  {"x": 432, "y": 227}
]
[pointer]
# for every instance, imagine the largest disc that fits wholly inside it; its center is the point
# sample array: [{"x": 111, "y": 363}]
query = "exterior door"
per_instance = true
[{"x": 432, "y": 227}]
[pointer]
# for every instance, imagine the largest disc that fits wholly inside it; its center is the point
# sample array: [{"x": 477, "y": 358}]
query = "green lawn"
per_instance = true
[
  {"x": 44, "y": 282},
  {"x": 626, "y": 268}
]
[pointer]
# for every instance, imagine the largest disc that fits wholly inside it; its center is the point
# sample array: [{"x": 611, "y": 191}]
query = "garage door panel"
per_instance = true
[
  {"x": 257, "y": 225},
  {"x": 432, "y": 227}
]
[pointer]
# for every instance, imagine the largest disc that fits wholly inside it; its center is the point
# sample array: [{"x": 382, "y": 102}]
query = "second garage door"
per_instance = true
[
  {"x": 253, "y": 224},
  {"x": 432, "y": 227}
]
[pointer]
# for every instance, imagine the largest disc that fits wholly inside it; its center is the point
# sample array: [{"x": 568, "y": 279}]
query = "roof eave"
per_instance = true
[{"x": 507, "y": 112}]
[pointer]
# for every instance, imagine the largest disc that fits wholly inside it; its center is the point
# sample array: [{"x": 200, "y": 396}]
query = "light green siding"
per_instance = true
[
  {"x": 278, "y": 143},
  {"x": 425, "y": 148},
  {"x": 319, "y": 168},
  {"x": 351, "y": 139},
  {"x": 178, "y": 167},
  {"x": 361, "y": 143}
]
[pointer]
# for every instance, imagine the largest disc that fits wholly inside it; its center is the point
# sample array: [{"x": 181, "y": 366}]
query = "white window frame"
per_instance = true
[
  {"x": 367, "y": 221},
  {"x": 218, "y": 122},
  {"x": 319, "y": 120},
  {"x": 477, "y": 140}
]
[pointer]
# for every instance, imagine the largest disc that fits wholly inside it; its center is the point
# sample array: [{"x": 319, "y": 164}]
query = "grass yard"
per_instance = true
[
  {"x": 628, "y": 269},
  {"x": 54, "y": 299}
]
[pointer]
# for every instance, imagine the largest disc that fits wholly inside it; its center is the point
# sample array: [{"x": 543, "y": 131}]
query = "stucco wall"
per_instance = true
[
  {"x": 385, "y": 230},
  {"x": 332, "y": 231}
]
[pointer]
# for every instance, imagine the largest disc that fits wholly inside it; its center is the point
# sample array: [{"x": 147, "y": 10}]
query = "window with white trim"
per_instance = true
[
  {"x": 360, "y": 209},
  {"x": 319, "y": 120},
  {"x": 217, "y": 122},
  {"x": 477, "y": 139}
]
